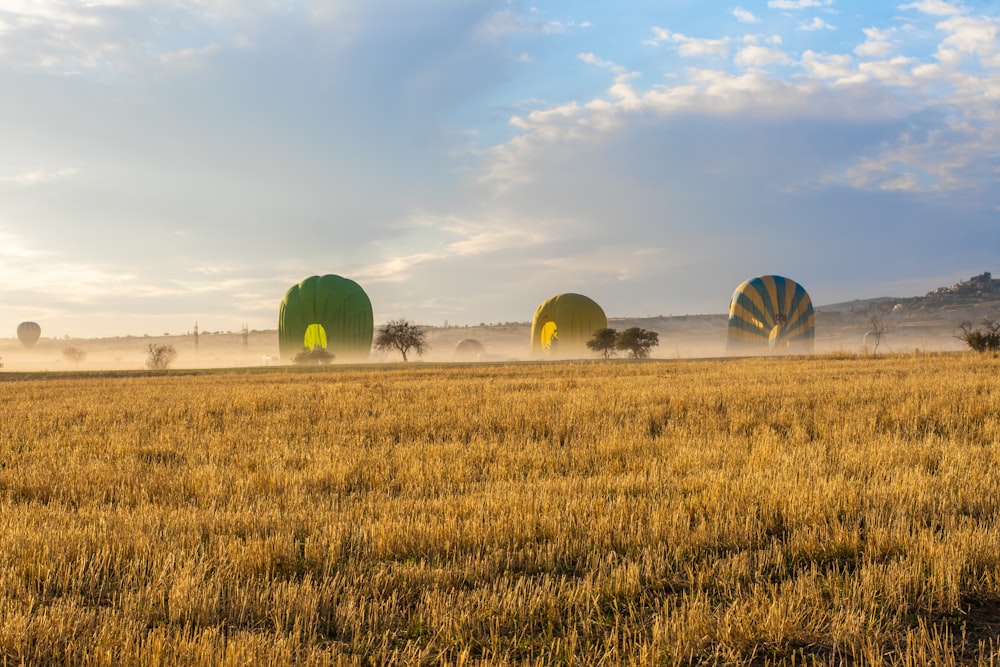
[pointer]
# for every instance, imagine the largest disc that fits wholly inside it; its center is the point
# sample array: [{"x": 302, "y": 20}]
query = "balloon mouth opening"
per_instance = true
[
  {"x": 315, "y": 337},
  {"x": 774, "y": 338},
  {"x": 550, "y": 337}
]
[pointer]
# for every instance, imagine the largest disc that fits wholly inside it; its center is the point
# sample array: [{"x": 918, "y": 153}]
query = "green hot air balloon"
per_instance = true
[
  {"x": 563, "y": 324},
  {"x": 328, "y": 311},
  {"x": 770, "y": 314},
  {"x": 28, "y": 333}
]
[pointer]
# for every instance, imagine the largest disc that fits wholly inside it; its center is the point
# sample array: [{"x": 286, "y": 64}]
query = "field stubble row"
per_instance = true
[{"x": 837, "y": 511}]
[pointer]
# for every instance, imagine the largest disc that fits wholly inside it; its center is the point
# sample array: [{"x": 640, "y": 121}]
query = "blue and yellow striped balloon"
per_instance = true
[{"x": 770, "y": 313}]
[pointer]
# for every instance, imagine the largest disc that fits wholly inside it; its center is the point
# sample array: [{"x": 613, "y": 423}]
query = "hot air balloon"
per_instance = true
[
  {"x": 563, "y": 324},
  {"x": 469, "y": 349},
  {"x": 770, "y": 314},
  {"x": 328, "y": 311},
  {"x": 28, "y": 333}
]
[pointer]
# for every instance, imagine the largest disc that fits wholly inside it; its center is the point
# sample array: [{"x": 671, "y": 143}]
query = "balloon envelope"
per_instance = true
[
  {"x": 469, "y": 349},
  {"x": 563, "y": 324},
  {"x": 770, "y": 313},
  {"x": 28, "y": 333},
  {"x": 330, "y": 312}
]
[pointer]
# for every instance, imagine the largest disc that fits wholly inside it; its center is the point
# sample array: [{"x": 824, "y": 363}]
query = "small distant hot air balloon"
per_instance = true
[
  {"x": 469, "y": 349},
  {"x": 28, "y": 333}
]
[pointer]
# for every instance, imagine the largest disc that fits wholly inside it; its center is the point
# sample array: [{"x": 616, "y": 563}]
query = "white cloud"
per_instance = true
[
  {"x": 690, "y": 46},
  {"x": 14, "y": 248},
  {"x": 744, "y": 16},
  {"x": 933, "y": 7},
  {"x": 61, "y": 280},
  {"x": 507, "y": 22},
  {"x": 591, "y": 59},
  {"x": 798, "y": 4},
  {"x": 971, "y": 35},
  {"x": 395, "y": 269},
  {"x": 36, "y": 177},
  {"x": 841, "y": 68},
  {"x": 894, "y": 72},
  {"x": 877, "y": 88},
  {"x": 816, "y": 24},
  {"x": 188, "y": 57},
  {"x": 558, "y": 27},
  {"x": 760, "y": 56},
  {"x": 499, "y": 236},
  {"x": 876, "y": 45}
]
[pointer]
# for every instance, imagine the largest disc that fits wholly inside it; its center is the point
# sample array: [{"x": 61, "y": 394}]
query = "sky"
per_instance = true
[{"x": 167, "y": 163}]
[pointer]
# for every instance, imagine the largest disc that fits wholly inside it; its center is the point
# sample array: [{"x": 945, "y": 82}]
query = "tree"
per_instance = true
[
  {"x": 159, "y": 357},
  {"x": 637, "y": 341},
  {"x": 604, "y": 341},
  {"x": 878, "y": 326},
  {"x": 74, "y": 354},
  {"x": 984, "y": 339},
  {"x": 401, "y": 335}
]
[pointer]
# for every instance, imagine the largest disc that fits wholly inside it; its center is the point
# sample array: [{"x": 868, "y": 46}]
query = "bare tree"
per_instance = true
[
  {"x": 159, "y": 357},
  {"x": 401, "y": 335},
  {"x": 878, "y": 326}
]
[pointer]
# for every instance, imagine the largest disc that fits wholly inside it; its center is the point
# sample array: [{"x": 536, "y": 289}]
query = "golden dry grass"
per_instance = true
[{"x": 820, "y": 511}]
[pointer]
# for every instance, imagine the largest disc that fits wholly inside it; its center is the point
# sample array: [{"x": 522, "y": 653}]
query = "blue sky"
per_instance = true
[{"x": 166, "y": 163}]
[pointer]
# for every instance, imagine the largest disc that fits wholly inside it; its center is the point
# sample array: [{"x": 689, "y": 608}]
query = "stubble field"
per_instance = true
[{"x": 820, "y": 511}]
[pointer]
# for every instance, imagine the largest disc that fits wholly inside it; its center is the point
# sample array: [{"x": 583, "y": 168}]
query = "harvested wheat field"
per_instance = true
[{"x": 792, "y": 511}]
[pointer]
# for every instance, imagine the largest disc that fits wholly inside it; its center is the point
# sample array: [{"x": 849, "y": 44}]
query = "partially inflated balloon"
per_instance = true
[
  {"x": 770, "y": 313},
  {"x": 329, "y": 312},
  {"x": 563, "y": 324},
  {"x": 469, "y": 349}
]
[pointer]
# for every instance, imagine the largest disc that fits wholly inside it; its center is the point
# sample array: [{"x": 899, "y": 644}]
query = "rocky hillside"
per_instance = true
[{"x": 974, "y": 291}]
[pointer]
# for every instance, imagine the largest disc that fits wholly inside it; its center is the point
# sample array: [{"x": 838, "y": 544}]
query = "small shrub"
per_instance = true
[
  {"x": 314, "y": 357},
  {"x": 984, "y": 339},
  {"x": 74, "y": 354}
]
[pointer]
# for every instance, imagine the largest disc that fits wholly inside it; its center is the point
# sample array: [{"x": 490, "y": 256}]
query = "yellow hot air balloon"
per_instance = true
[{"x": 563, "y": 324}]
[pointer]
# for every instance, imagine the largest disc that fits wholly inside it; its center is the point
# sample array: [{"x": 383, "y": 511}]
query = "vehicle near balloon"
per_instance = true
[
  {"x": 563, "y": 324},
  {"x": 28, "y": 333},
  {"x": 327, "y": 312},
  {"x": 770, "y": 314},
  {"x": 469, "y": 349}
]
